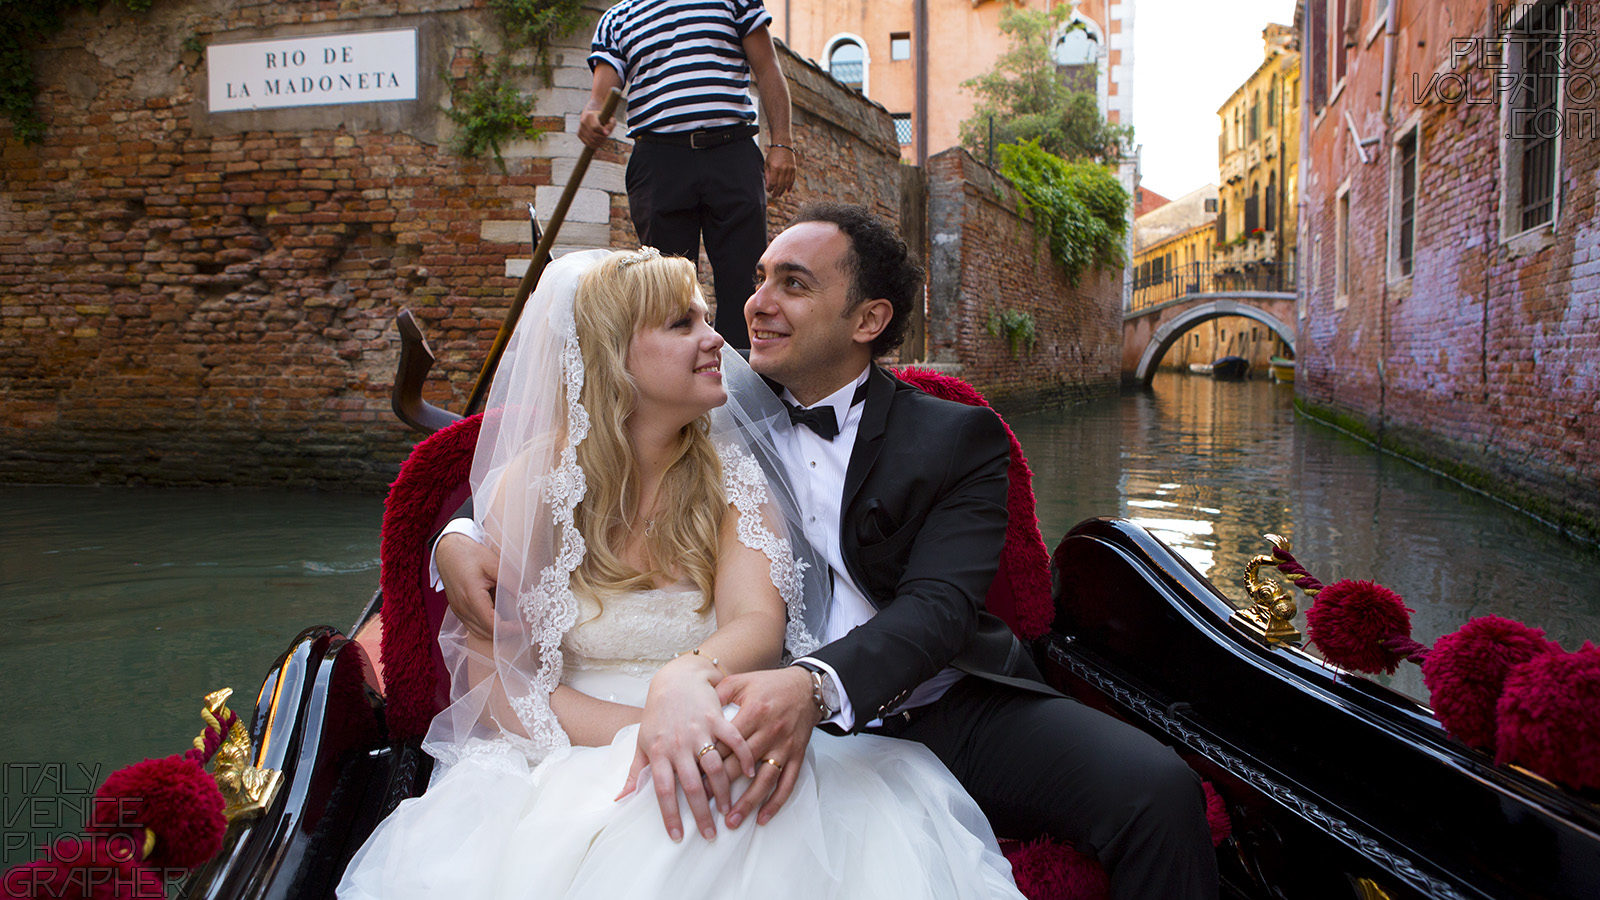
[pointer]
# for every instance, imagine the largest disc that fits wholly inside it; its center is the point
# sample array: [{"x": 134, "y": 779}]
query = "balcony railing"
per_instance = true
[{"x": 1212, "y": 278}]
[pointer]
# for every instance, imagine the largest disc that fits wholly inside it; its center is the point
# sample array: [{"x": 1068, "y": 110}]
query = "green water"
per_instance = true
[{"x": 124, "y": 607}]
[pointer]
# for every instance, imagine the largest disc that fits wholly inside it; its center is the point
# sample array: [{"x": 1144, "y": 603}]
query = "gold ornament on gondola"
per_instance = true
[
  {"x": 1272, "y": 606},
  {"x": 247, "y": 788}
]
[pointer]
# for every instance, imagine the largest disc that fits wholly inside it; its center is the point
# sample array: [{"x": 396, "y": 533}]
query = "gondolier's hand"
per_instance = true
[
  {"x": 682, "y": 718},
  {"x": 780, "y": 170},
  {"x": 776, "y": 715},
  {"x": 468, "y": 570},
  {"x": 591, "y": 131}
]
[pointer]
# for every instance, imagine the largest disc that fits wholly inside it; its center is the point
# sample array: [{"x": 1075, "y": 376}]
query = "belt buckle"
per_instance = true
[{"x": 694, "y": 139}]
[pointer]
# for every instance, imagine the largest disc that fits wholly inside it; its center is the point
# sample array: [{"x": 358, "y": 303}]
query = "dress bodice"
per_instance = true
[{"x": 617, "y": 645}]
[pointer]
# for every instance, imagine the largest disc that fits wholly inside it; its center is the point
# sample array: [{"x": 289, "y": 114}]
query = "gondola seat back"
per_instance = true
[{"x": 432, "y": 485}]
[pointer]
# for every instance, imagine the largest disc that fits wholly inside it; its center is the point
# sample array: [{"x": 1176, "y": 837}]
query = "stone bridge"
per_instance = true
[{"x": 1147, "y": 331}]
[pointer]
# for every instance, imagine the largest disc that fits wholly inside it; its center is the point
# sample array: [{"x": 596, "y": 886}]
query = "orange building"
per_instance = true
[{"x": 912, "y": 56}]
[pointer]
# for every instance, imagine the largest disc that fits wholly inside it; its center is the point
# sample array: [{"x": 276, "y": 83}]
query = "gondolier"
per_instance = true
[{"x": 695, "y": 172}]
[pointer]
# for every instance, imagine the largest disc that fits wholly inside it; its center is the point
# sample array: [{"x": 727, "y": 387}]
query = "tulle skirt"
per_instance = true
[{"x": 869, "y": 817}]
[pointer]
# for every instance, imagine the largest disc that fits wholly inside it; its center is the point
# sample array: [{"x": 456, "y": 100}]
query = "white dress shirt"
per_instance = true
[{"x": 816, "y": 470}]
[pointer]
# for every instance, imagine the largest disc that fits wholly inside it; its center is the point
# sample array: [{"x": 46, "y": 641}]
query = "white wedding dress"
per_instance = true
[{"x": 870, "y": 816}]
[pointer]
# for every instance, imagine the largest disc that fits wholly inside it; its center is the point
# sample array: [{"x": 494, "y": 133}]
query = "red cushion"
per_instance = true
[
  {"x": 1020, "y": 594},
  {"x": 431, "y": 486}
]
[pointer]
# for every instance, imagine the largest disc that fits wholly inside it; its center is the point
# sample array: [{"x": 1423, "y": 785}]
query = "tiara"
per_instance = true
[{"x": 643, "y": 254}]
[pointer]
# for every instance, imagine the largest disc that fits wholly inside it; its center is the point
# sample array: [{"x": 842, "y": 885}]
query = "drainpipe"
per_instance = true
[
  {"x": 1390, "y": 39},
  {"x": 1391, "y": 34},
  {"x": 919, "y": 105},
  {"x": 787, "y": 18}
]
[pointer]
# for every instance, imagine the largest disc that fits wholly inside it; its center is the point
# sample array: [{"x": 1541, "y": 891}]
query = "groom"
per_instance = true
[{"x": 904, "y": 495}]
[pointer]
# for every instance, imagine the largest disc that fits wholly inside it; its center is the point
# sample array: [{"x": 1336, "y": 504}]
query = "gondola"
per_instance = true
[
  {"x": 1334, "y": 785},
  {"x": 1229, "y": 368}
]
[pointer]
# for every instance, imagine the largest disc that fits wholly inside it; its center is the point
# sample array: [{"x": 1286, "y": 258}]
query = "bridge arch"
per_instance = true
[{"x": 1169, "y": 331}]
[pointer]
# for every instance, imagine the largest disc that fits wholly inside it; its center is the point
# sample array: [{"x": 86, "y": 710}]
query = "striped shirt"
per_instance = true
[{"x": 682, "y": 60}]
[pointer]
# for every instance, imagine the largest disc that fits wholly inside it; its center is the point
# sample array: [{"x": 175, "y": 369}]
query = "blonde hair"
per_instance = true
[{"x": 625, "y": 293}]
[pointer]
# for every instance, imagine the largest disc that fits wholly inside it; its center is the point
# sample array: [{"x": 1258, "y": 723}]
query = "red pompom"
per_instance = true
[
  {"x": 173, "y": 797},
  {"x": 1466, "y": 670},
  {"x": 1046, "y": 869},
  {"x": 85, "y": 868},
  {"x": 1216, "y": 815},
  {"x": 1549, "y": 717},
  {"x": 1351, "y": 621}
]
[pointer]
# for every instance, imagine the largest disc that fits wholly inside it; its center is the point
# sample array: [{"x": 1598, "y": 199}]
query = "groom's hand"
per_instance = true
[
  {"x": 776, "y": 715},
  {"x": 468, "y": 570}
]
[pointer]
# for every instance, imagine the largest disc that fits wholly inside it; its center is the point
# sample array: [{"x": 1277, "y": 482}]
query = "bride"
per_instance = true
[{"x": 621, "y": 473}]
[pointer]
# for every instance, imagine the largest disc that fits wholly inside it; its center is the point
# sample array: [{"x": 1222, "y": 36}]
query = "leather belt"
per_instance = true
[{"x": 703, "y": 139}]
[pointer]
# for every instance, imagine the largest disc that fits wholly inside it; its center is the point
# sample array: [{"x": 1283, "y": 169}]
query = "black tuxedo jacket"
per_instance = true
[{"x": 923, "y": 521}]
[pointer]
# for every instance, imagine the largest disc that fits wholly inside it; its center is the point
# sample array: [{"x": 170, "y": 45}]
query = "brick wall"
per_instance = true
[
  {"x": 199, "y": 298},
  {"x": 1483, "y": 362},
  {"x": 985, "y": 258}
]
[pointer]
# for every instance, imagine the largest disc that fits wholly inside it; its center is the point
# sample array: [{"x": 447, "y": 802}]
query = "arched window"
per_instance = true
[{"x": 847, "y": 61}]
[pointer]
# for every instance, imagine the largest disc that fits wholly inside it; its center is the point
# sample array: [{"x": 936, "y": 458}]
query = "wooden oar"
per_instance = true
[
  {"x": 415, "y": 356},
  {"x": 480, "y": 389}
]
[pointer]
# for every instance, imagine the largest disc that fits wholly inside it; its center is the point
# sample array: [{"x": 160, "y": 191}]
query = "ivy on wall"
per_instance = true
[
  {"x": 24, "y": 25},
  {"x": 1081, "y": 205}
]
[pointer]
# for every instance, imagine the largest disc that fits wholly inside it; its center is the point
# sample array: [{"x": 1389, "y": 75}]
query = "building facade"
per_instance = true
[
  {"x": 1257, "y": 163},
  {"x": 913, "y": 55},
  {"x": 1451, "y": 303}
]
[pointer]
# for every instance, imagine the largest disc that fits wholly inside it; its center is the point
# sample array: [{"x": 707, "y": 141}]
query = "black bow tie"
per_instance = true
[{"x": 821, "y": 418}]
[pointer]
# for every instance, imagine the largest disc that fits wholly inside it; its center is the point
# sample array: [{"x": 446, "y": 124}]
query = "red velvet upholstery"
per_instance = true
[
  {"x": 1020, "y": 595},
  {"x": 431, "y": 486}
]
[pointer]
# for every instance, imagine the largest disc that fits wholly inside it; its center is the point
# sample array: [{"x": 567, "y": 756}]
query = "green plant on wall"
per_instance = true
[
  {"x": 1015, "y": 326},
  {"x": 1081, "y": 205},
  {"x": 488, "y": 109},
  {"x": 485, "y": 105}
]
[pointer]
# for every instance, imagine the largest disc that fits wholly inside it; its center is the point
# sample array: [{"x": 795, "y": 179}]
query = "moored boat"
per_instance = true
[
  {"x": 1282, "y": 369},
  {"x": 1230, "y": 368}
]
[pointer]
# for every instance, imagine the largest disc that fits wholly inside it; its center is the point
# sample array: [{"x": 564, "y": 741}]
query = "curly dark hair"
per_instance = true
[{"x": 880, "y": 265}]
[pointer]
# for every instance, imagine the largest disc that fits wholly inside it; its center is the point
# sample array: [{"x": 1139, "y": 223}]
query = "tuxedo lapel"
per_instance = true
[{"x": 869, "y": 434}]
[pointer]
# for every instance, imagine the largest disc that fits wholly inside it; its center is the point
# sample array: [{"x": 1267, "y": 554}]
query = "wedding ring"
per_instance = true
[
  {"x": 773, "y": 763},
  {"x": 704, "y": 750}
]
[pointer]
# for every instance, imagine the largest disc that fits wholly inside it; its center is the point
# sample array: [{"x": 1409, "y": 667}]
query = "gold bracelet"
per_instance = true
[{"x": 714, "y": 660}]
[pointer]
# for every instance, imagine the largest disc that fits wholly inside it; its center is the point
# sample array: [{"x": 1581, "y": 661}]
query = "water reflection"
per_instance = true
[{"x": 1210, "y": 466}]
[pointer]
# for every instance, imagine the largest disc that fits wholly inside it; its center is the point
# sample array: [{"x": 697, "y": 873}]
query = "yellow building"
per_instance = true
[
  {"x": 1258, "y": 161},
  {"x": 1172, "y": 248}
]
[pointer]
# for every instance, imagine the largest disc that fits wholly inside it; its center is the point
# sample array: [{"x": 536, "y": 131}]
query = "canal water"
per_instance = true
[{"x": 123, "y": 607}]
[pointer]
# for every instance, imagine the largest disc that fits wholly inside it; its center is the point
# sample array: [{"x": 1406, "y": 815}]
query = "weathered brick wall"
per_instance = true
[
  {"x": 1485, "y": 362},
  {"x": 189, "y": 297},
  {"x": 987, "y": 257}
]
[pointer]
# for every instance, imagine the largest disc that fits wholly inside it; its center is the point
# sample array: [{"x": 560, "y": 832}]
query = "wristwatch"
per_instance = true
[{"x": 823, "y": 690}]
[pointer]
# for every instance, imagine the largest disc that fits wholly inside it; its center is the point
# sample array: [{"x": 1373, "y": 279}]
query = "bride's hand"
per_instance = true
[
  {"x": 777, "y": 713},
  {"x": 682, "y": 716}
]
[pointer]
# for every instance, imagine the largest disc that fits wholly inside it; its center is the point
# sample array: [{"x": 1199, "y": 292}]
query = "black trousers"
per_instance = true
[
  {"x": 677, "y": 195},
  {"x": 1042, "y": 764}
]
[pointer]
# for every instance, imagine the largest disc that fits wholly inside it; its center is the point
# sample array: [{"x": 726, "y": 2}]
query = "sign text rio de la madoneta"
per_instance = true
[{"x": 315, "y": 70}]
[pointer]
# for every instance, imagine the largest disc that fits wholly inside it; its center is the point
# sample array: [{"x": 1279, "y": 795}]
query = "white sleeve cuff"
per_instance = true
[
  {"x": 462, "y": 525},
  {"x": 846, "y": 715}
]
